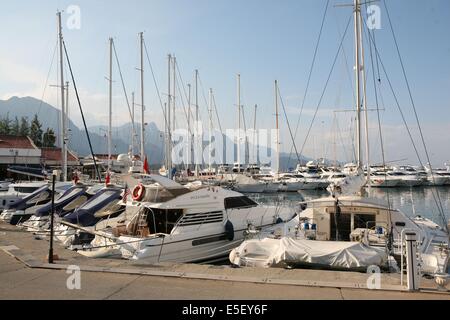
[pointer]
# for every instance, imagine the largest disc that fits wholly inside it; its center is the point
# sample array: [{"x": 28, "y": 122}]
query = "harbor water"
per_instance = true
[{"x": 415, "y": 201}]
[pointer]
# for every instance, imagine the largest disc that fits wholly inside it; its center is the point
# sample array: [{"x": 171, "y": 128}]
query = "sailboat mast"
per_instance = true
[
  {"x": 168, "y": 110},
  {"x": 366, "y": 115},
  {"x": 357, "y": 13},
  {"x": 174, "y": 64},
  {"x": 66, "y": 121},
  {"x": 63, "y": 122},
  {"x": 277, "y": 128},
  {"x": 110, "y": 105},
  {"x": 254, "y": 135},
  {"x": 141, "y": 35},
  {"x": 196, "y": 122},
  {"x": 239, "y": 122},
  {"x": 188, "y": 153},
  {"x": 133, "y": 137}
]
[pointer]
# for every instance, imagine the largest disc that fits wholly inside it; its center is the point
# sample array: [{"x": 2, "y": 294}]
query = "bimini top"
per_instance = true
[{"x": 351, "y": 201}]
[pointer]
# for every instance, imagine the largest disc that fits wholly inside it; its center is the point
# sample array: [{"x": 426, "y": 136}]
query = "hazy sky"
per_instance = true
[{"x": 260, "y": 39}]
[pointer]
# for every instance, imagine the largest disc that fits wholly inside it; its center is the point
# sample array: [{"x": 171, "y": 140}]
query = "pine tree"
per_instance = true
[
  {"x": 49, "y": 138},
  {"x": 24, "y": 129},
  {"x": 36, "y": 131},
  {"x": 15, "y": 127},
  {"x": 5, "y": 125}
]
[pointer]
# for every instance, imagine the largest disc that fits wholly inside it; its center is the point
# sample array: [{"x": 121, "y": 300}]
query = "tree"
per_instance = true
[
  {"x": 49, "y": 138},
  {"x": 24, "y": 129},
  {"x": 36, "y": 131},
  {"x": 15, "y": 127},
  {"x": 5, "y": 125}
]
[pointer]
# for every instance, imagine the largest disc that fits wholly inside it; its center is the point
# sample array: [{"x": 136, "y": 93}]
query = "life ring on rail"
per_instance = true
[{"x": 138, "y": 192}]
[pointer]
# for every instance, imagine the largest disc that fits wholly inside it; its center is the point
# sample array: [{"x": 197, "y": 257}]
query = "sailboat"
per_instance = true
[{"x": 347, "y": 230}]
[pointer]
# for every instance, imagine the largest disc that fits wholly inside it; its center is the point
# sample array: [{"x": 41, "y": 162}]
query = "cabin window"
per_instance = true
[
  {"x": 364, "y": 221},
  {"x": 162, "y": 221},
  {"x": 239, "y": 202},
  {"x": 343, "y": 227},
  {"x": 25, "y": 189},
  {"x": 400, "y": 224}
]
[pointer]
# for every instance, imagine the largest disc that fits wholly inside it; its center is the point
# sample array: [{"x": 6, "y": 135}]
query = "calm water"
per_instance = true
[{"x": 412, "y": 201}]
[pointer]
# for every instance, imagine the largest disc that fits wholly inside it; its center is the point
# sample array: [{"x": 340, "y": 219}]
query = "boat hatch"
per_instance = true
[{"x": 239, "y": 202}]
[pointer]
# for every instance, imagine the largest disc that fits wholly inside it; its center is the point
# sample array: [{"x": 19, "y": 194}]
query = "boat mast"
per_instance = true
[
  {"x": 174, "y": 64},
  {"x": 366, "y": 115},
  {"x": 254, "y": 135},
  {"x": 133, "y": 135},
  {"x": 188, "y": 153},
  {"x": 196, "y": 121},
  {"x": 277, "y": 128},
  {"x": 357, "y": 13},
  {"x": 141, "y": 35},
  {"x": 239, "y": 122},
  {"x": 63, "y": 122},
  {"x": 66, "y": 120},
  {"x": 110, "y": 105},
  {"x": 210, "y": 128},
  {"x": 168, "y": 112}
]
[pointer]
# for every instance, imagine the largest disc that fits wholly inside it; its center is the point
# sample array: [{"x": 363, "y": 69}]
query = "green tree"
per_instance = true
[
  {"x": 15, "y": 127},
  {"x": 5, "y": 125},
  {"x": 49, "y": 138},
  {"x": 24, "y": 129},
  {"x": 36, "y": 131}
]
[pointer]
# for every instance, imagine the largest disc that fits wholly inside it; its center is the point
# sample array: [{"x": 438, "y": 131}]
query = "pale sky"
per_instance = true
[{"x": 260, "y": 39}]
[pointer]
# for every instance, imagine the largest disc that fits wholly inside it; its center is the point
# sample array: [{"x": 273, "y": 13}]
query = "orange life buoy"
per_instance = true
[{"x": 138, "y": 192}]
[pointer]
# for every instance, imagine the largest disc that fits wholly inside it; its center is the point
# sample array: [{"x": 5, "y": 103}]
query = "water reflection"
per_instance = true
[{"x": 412, "y": 201}]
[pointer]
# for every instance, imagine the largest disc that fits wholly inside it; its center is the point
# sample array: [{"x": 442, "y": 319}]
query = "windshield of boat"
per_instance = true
[
  {"x": 239, "y": 202},
  {"x": 68, "y": 195}
]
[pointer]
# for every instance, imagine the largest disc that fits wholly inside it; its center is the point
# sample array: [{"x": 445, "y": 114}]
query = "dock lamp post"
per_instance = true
[{"x": 56, "y": 173}]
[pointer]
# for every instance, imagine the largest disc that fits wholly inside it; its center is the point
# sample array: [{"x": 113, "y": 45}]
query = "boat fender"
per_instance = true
[
  {"x": 138, "y": 192},
  {"x": 229, "y": 230}
]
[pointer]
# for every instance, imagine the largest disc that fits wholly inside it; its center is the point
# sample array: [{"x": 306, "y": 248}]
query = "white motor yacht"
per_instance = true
[
  {"x": 17, "y": 191},
  {"x": 173, "y": 223}
]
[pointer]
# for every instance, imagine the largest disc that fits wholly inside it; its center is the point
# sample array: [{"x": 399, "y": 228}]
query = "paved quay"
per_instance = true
[{"x": 25, "y": 274}]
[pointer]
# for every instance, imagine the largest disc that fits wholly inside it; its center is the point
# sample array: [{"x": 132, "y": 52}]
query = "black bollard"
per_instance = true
[{"x": 50, "y": 251}]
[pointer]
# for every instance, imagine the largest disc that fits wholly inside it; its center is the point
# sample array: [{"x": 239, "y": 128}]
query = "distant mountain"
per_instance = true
[
  {"x": 121, "y": 136},
  {"x": 49, "y": 116}
]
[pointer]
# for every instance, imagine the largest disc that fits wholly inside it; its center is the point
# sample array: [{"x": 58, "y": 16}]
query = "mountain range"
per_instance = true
[{"x": 49, "y": 116}]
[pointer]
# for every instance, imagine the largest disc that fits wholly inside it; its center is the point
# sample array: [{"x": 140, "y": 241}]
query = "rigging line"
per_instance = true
[
  {"x": 413, "y": 106},
  {"x": 326, "y": 85},
  {"x": 217, "y": 113},
  {"x": 156, "y": 85},
  {"x": 123, "y": 87},
  {"x": 310, "y": 74},
  {"x": 202, "y": 90},
  {"x": 82, "y": 114},
  {"x": 48, "y": 76},
  {"x": 184, "y": 90},
  {"x": 380, "y": 133},
  {"x": 288, "y": 124},
  {"x": 438, "y": 203}
]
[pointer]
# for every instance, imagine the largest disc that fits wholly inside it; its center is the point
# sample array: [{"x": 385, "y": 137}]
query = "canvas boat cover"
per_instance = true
[{"x": 270, "y": 252}]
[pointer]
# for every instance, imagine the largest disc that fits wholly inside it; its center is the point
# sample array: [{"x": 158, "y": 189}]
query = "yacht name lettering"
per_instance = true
[
  {"x": 193, "y": 310},
  {"x": 200, "y": 197}
]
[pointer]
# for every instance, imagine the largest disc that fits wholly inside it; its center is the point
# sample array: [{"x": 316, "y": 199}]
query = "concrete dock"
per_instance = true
[{"x": 25, "y": 274}]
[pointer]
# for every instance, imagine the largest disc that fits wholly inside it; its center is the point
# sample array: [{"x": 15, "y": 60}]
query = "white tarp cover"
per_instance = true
[{"x": 270, "y": 252}]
